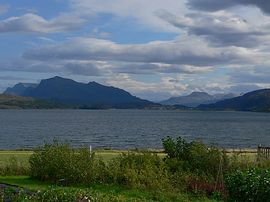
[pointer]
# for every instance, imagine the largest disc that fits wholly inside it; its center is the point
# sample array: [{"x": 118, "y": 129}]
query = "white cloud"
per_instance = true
[
  {"x": 153, "y": 91},
  {"x": 29, "y": 23},
  {"x": 185, "y": 51},
  {"x": 141, "y": 10},
  {"x": 153, "y": 68}
]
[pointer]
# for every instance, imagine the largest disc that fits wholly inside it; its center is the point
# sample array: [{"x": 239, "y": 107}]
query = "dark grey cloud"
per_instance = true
[
  {"x": 215, "y": 5},
  {"x": 87, "y": 69}
]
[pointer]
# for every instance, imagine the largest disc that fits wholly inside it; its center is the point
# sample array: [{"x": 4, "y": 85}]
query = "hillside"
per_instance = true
[
  {"x": 258, "y": 101},
  {"x": 90, "y": 95},
  {"x": 19, "y": 102}
]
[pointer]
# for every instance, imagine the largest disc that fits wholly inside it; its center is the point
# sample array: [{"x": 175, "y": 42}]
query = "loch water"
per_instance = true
[{"x": 129, "y": 129}]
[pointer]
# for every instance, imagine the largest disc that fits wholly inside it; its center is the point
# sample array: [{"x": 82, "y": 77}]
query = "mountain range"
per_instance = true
[
  {"x": 58, "y": 92},
  {"x": 197, "y": 98},
  {"x": 90, "y": 95}
]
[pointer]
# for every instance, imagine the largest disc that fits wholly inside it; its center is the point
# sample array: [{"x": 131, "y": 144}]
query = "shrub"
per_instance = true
[
  {"x": 195, "y": 157},
  {"x": 58, "y": 161},
  {"x": 251, "y": 185},
  {"x": 139, "y": 170},
  {"x": 195, "y": 167}
]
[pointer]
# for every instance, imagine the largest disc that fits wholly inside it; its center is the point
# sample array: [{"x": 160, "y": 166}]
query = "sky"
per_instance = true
[{"x": 154, "y": 49}]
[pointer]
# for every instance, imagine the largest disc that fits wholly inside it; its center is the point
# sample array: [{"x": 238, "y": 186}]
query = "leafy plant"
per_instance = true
[
  {"x": 59, "y": 162},
  {"x": 139, "y": 170},
  {"x": 251, "y": 185},
  {"x": 195, "y": 157}
]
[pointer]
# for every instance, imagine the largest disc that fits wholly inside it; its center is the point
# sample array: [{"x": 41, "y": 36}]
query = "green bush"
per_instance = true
[
  {"x": 59, "y": 161},
  {"x": 251, "y": 185},
  {"x": 139, "y": 170},
  {"x": 195, "y": 157}
]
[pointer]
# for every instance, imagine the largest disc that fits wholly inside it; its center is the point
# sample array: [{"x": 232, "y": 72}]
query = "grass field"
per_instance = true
[{"x": 22, "y": 157}]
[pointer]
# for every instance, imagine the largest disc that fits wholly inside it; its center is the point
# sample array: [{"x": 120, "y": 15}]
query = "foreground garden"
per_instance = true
[{"x": 185, "y": 171}]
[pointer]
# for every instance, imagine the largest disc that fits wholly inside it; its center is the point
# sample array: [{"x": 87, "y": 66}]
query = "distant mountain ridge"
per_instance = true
[
  {"x": 20, "y": 88},
  {"x": 257, "y": 101},
  {"x": 90, "y": 95},
  {"x": 197, "y": 98}
]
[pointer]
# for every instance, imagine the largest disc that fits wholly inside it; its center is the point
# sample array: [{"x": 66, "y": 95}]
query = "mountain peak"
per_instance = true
[
  {"x": 196, "y": 98},
  {"x": 58, "y": 78}
]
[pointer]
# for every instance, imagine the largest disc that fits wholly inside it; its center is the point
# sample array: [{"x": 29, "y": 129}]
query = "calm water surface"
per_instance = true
[{"x": 120, "y": 129}]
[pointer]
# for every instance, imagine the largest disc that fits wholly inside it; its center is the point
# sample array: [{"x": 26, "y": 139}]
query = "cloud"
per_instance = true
[
  {"x": 171, "y": 86},
  {"x": 251, "y": 74},
  {"x": 140, "y": 10},
  {"x": 221, "y": 28},
  {"x": 214, "y": 5},
  {"x": 29, "y": 23},
  {"x": 187, "y": 51},
  {"x": 99, "y": 34},
  {"x": 85, "y": 68},
  {"x": 243, "y": 88},
  {"x": 153, "y": 68},
  {"x": 11, "y": 78},
  {"x": 155, "y": 91}
]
